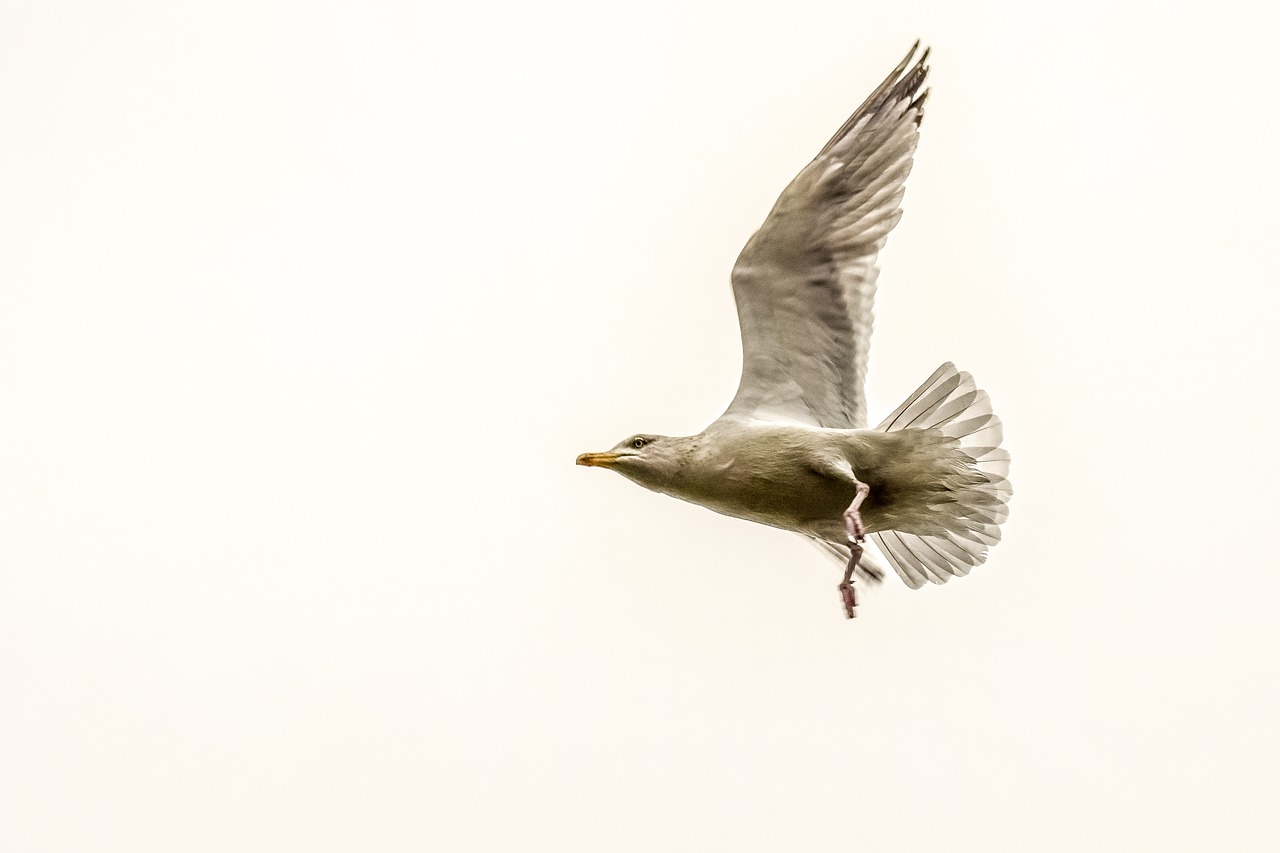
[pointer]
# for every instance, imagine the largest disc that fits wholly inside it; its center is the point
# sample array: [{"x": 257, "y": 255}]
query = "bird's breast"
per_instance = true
[{"x": 762, "y": 478}]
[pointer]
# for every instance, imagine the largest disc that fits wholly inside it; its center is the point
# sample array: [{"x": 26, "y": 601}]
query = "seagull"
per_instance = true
[{"x": 929, "y": 485}]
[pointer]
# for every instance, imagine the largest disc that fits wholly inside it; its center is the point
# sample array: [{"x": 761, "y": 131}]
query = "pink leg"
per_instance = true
[
  {"x": 848, "y": 594},
  {"x": 853, "y": 518},
  {"x": 857, "y": 532}
]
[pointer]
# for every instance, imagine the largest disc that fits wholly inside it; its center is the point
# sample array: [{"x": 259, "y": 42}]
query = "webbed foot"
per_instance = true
[{"x": 848, "y": 594}]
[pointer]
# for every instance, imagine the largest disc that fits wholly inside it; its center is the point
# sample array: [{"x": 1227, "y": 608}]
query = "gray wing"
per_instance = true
[{"x": 806, "y": 280}]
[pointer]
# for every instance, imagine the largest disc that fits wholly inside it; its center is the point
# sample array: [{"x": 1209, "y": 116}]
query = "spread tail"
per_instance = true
[{"x": 951, "y": 403}]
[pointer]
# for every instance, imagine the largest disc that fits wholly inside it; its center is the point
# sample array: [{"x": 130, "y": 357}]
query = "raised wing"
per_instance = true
[{"x": 806, "y": 280}]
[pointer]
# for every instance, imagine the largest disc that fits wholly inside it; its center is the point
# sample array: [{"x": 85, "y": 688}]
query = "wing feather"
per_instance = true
[{"x": 805, "y": 282}]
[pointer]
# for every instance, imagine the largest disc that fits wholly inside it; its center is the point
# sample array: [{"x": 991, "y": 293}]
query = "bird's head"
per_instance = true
[{"x": 653, "y": 461}]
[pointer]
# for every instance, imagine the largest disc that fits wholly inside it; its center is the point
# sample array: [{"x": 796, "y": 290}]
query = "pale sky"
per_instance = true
[{"x": 306, "y": 310}]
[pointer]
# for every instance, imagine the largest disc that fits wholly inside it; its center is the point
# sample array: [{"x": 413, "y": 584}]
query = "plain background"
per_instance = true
[{"x": 306, "y": 309}]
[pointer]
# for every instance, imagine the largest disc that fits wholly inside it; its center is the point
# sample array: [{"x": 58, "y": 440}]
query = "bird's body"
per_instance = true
[
  {"x": 792, "y": 451},
  {"x": 765, "y": 472},
  {"x": 782, "y": 475}
]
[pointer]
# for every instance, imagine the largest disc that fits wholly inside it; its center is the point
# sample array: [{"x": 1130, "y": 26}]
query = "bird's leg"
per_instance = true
[
  {"x": 847, "y": 592},
  {"x": 852, "y": 518},
  {"x": 857, "y": 532}
]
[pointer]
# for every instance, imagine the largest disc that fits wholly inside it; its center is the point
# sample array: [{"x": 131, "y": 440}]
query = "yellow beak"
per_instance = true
[{"x": 598, "y": 460}]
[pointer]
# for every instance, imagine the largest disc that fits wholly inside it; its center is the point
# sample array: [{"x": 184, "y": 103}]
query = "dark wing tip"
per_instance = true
[
  {"x": 901, "y": 84},
  {"x": 918, "y": 105}
]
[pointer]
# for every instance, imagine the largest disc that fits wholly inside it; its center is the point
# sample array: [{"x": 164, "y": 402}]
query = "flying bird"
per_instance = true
[{"x": 928, "y": 485}]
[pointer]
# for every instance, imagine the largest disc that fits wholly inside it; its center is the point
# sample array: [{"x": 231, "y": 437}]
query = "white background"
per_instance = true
[{"x": 306, "y": 309}]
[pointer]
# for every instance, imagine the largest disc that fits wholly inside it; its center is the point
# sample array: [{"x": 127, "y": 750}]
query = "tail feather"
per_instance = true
[{"x": 951, "y": 403}]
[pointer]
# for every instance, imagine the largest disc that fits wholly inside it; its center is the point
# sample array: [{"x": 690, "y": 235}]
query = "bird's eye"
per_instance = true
[{"x": 639, "y": 442}]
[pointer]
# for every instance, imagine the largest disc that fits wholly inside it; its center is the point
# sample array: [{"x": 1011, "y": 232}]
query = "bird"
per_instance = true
[{"x": 929, "y": 485}]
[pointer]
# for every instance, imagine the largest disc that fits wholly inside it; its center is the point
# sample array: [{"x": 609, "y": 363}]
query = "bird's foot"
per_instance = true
[
  {"x": 850, "y": 597},
  {"x": 848, "y": 594},
  {"x": 854, "y": 526}
]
